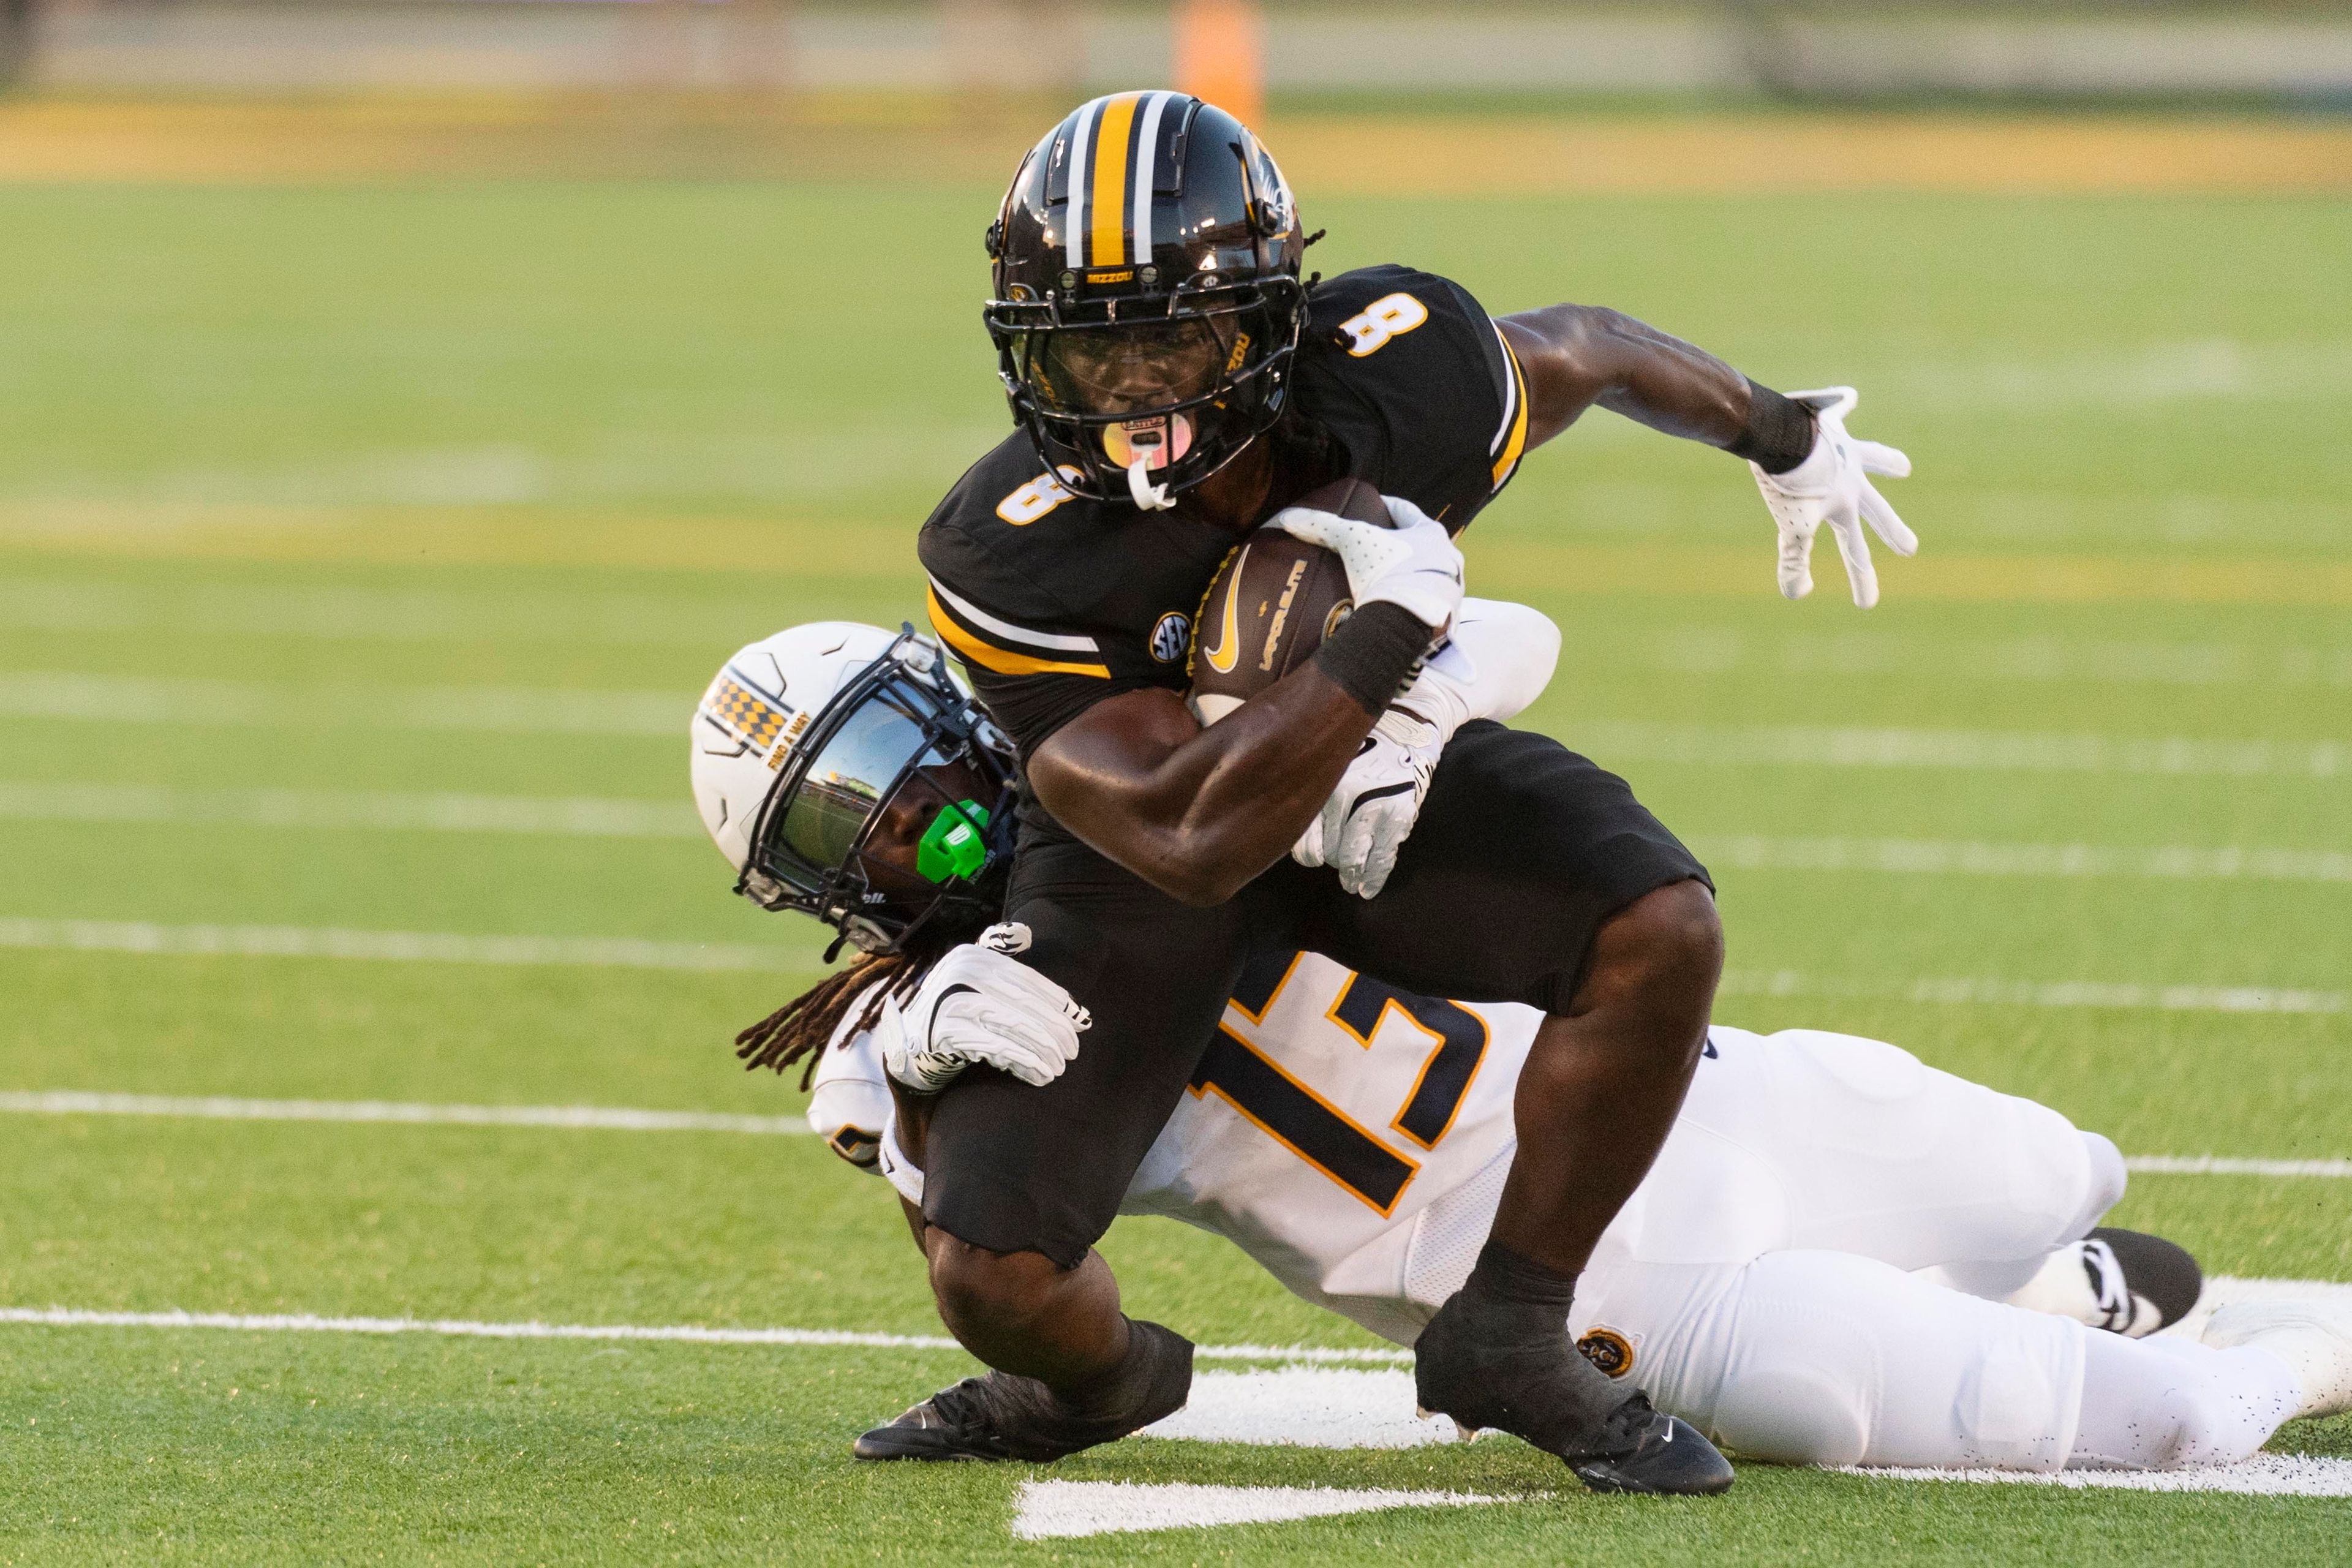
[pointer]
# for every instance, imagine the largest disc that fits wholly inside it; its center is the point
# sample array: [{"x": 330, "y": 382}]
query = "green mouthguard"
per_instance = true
[{"x": 952, "y": 846}]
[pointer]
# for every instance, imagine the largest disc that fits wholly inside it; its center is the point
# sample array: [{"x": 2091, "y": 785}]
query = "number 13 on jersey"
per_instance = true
[{"x": 1436, "y": 1045}]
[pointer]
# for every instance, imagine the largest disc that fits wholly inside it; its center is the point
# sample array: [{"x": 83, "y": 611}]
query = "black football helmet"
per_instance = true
[{"x": 1147, "y": 298}]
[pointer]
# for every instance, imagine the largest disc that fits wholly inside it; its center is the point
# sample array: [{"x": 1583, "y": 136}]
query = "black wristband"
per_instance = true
[
  {"x": 1373, "y": 653},
  {"x": 1780, "y": 433}
]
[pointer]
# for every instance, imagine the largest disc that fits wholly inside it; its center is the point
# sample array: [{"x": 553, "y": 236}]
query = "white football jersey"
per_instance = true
[
  {"x": 1759, "y": 1283},
  {"x": 1353, "y": 1140},
  {"x": 1350, "y": 1137}
]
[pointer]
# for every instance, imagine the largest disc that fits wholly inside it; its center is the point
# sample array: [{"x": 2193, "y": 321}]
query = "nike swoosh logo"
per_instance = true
[
  {"x": 1384, "y": 793},
  {"x": 956, "y": 989},
  {"x": 1228, "y": 651}
]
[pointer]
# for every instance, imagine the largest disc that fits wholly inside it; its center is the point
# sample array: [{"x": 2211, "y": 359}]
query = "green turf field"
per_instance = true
[{"x": 428, "y": 509}]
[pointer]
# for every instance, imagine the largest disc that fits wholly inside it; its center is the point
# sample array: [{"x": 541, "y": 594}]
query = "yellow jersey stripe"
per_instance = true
[
  {"x": 1111, "y": 159},
  {"x": 1517, "y": 444},
  {"x": 1003, "y": 661}
]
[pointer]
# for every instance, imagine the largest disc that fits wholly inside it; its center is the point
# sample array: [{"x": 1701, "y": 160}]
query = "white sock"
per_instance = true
[{"x": 2163, "y": 1403}]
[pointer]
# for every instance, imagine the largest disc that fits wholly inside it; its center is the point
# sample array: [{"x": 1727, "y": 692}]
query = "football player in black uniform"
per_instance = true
[{"x": 1177, "y": 383}]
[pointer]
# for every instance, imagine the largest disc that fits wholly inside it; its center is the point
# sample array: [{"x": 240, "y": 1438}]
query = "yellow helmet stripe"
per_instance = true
[{"x": 1111, "y": 160}]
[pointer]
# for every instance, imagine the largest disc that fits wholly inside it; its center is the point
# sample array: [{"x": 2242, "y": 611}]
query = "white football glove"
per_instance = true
[
  {"x": 1410, "y": 563},
  {"x": 979, "y": 1003},
  {"x": 1497, "y": 660},
  {"x": 1366, "y": 821},
  {"x": 1833, "y": 486}
]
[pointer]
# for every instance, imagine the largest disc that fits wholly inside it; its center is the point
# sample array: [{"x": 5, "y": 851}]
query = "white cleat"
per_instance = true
[{"x": 2314, "y": 1338}]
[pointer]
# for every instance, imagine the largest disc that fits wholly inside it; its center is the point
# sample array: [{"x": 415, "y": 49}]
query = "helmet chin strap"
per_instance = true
[{"x": 1149, "y": 496}]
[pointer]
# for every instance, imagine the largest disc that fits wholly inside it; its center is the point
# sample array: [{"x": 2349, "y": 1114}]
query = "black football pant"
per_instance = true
[{"x": 1521, "y": 850}]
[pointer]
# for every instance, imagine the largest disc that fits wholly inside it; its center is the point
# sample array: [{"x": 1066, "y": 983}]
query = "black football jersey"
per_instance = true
[{"x": 1054, "y": 602}]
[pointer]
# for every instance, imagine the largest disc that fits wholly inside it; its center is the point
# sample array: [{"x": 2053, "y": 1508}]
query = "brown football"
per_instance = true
[{"x": 1271, "y": 605}]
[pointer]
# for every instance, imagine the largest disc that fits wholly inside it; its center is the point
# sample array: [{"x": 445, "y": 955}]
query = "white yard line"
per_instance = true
[
  {"x": 615, "y": 817},
  {"x": 220, "y": 1108},
  {"x": 116, "y": 699},
  {"x": 577, "y": 816},
  {"x": 1244, "y": 1389},
  {"x": 461, "y": 1327},
  {"x": 1613, "y": 741},
  {"x": 2233, "y": 1165},
  {"x": 392, "y": 946},
  {"x": 625, "y": 1118},
  {"x": 1707, "y": 649},
  {"x": 375, "y": 614},
  {"x": 144, "y": 937},
  {"x": 553, "y": 711},
  {"x": 1055, "y": 1510},
  {"x": 1991, "y": 991},
  {"x": 2265, "y": 1475},
  {"x": 1934, "y": 856}
]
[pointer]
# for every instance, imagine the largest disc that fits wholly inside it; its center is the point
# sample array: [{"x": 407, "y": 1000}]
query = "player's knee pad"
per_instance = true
[
  {"x": 1795, "y": 1415},
  {"x": 1840, "y": 1359},
  {"x": 1800, "y": 1383}
]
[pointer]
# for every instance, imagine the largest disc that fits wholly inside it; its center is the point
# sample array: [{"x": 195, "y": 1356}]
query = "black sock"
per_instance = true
[
  {"x": 1512, "y": 1281},
  {"x": 1152, "y": 1356}
]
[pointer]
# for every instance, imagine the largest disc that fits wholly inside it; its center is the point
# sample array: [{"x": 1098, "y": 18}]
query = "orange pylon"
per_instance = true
[{"x": 1221, "y": 54}]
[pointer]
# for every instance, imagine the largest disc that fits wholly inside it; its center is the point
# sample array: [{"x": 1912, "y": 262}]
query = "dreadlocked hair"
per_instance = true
[{"x": 797, "y": 1031}]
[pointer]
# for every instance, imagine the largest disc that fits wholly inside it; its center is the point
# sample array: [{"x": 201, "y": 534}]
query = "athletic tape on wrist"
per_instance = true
[
  {"x": 1375, "y": 654},
  {"x": 1780, "y": 433}
]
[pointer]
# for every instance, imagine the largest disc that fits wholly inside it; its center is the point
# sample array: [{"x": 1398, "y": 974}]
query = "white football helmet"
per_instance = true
[{"x": 842, "y": 774}]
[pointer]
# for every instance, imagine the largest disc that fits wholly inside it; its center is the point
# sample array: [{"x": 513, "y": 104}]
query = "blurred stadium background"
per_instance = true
[
  {"x": 404, "y": 406},
  {"x": 2285, "y": 53}
]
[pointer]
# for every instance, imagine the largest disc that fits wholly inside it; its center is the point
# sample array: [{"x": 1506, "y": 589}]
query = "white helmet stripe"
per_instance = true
[
  {"x": 1073, "y": 211},
  {"x": 1147, "y": 147}
]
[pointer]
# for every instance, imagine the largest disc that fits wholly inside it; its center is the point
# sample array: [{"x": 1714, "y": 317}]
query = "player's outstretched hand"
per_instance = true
[
  {"x": 980, "y": 1003},
  {"x": 1412, "y": 562},
  {"x": 1833, "y": 486}
]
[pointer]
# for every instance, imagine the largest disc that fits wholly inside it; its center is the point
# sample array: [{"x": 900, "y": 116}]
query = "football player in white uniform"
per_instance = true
[
  {"x": 1841, "y": 1257},
  {"x": 1830, "y": 1263}
]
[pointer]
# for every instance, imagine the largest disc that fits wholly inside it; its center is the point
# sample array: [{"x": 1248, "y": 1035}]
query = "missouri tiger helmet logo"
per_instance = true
[{"x": 1608, "y": 1350}]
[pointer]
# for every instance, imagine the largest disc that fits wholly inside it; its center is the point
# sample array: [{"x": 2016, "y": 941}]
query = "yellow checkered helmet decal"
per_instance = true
[{"x": 744, "y": 713}]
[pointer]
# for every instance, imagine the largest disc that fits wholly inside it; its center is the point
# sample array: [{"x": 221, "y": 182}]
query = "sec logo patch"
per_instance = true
[
  {"x": 1172, "y": 636},
  {"x": 1607, "y": 1348}
]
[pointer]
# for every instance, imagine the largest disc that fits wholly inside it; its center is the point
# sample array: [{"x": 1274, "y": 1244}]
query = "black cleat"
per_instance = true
[
  {"x": 1668, "y": 1459},
  {"x": 2143, "y": 1282},
  {"x": 1543, "y": 1390},
  {"x": 1003, "y": 1416}
]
